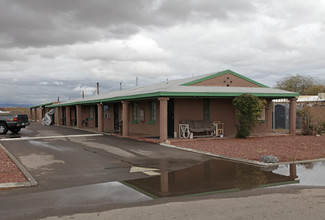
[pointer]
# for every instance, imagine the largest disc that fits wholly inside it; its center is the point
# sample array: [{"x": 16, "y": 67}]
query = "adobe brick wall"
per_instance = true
[
  {"x": 318, "y": 112},
  {"x": 226, "y": 79}
]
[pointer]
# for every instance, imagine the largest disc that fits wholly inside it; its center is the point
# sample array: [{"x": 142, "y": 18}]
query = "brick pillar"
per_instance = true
[
  {"x": 60, "y": 115},
  {"x": 163, "y": 119},
  {"x": 56, "y": 117},
  {"x": 100, "y": 117},
  {"x": 34, "y": 114},
  {"x": 30, "y": 114},
  {"x": 40, "y": 114},
  {"x": 125, "y": 119},
  {"x": 268, "y": 113},
  {"x": 67, "y": 116},
  {"x": 292, "y": 116},
  {"x": 79, "y": 120}
]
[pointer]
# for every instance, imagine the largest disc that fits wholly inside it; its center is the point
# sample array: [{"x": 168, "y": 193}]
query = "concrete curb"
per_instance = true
[
  {"x": 31, "y": 180},
  {"x": 251, "y": 162},
  {"x": 245, "y": 161}
]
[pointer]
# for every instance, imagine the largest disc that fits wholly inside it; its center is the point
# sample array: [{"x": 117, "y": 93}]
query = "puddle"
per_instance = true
[
  {"x": 308, "y": 174},
  {"x": 217, "y": 176}
]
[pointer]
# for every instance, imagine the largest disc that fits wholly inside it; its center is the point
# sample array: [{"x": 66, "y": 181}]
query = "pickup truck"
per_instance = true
[{"x": 12, "y": 123}]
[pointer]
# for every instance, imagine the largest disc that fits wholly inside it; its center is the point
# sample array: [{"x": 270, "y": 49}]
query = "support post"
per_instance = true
[
  {"x": 125, "y": 121},
  {"x": 163, "y": 118},
  {"x": 34, "y": 114},
  {"x": 67, "y": 116},
  {"x": 100, "y": 117},
  {"x": 292, "y": 117},
  {"x": 56, "y": 121},
  {"x": 30, "y": 116},
  {"x": 40, "y": 114},
  {"x": 79, "y": 120},
  {"x": 60, "y": 115}
]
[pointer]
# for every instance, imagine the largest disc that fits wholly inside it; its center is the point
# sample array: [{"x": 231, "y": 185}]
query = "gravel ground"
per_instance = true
[
  {"x": 286, "y": 148},
  {"x": 9, "y": 172}
]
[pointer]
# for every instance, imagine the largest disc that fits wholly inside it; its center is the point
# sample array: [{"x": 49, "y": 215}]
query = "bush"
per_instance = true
[{"x": 249, "y": 109}]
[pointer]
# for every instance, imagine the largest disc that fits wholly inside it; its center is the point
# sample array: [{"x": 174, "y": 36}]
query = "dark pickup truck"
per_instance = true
[{"x": 12, "y": 123}]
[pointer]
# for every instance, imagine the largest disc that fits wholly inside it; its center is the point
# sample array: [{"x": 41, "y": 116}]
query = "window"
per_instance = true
[
  {"x": 152, "y": 119},
  {"x": 91, "y": 113},
  {"x": 135, "y": 113},
  {"x": 206, "y": 109},
  {"x": 106, "y": 112},
  {"x": 262, "y": 117}
]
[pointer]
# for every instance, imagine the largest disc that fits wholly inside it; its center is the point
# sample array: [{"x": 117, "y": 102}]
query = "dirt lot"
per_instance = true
[{"x": 286, "y": 148}]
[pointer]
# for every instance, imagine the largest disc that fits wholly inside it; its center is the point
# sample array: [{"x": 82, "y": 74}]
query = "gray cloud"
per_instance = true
[{"x": 49, "y": 48}]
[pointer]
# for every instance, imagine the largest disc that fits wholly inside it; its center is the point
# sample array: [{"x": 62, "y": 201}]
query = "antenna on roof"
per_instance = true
[
  {"x": 83, "y": 94},
  {"x": 121, "y": 85},
  {"x": 58, "y": 98},
  {"x": 97, "y": 88},
  {"x": 137, "y": 81}
]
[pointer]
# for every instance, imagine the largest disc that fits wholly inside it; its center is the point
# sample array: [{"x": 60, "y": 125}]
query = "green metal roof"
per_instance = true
[
  {"x": 182, "y": 88},
  {"x": 39, "y": 105}
]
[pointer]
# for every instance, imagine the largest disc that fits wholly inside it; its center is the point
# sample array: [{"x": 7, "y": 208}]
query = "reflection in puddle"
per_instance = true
[
  {"x": 215, "y": 176},
  {"x": 309, "y": 174}
]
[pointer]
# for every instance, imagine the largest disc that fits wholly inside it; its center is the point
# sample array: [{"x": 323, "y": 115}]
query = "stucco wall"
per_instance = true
[
  {"x": 85, "y": 110},
  {"x": 108, "y": 123},
  {"x": 143, "y": 127},
  {"x": 222, "y": 110},
  {"x": 265, "y": 126}
]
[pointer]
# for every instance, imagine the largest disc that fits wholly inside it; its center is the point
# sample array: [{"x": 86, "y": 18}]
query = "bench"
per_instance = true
[{"x": 205, "y": 127}]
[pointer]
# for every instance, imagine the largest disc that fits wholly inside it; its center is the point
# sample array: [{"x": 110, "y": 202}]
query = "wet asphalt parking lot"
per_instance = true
[
  {"x": 83, "y": 172},
  {"x": 61, "y": 158},
  {"x": 74, "y": 159}
]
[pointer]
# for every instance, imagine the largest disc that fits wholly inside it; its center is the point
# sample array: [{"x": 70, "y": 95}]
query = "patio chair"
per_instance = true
[{"x": 84, "y": 122}]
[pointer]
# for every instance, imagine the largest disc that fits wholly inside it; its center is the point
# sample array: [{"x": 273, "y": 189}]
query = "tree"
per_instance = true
[
  {"x": 305, "y": 85},
  {"x": 248, "y": 108}
]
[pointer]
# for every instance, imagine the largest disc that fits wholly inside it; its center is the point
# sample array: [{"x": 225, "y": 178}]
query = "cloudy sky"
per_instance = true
[{"x": 51, "y": 48}]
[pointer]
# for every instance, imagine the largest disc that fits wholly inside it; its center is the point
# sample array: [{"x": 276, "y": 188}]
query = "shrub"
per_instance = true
[{"x": 248, "y": 108}]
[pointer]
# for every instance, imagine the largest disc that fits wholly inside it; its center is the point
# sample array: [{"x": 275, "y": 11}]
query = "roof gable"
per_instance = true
[{"x": 225, "y": 78}]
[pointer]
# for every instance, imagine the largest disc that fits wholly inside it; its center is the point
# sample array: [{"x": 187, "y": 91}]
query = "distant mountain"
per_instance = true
[{"x": 3, "y": 105}]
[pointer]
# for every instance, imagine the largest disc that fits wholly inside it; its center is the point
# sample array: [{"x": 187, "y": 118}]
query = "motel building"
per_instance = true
[{"x": 169, "y": 109}]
